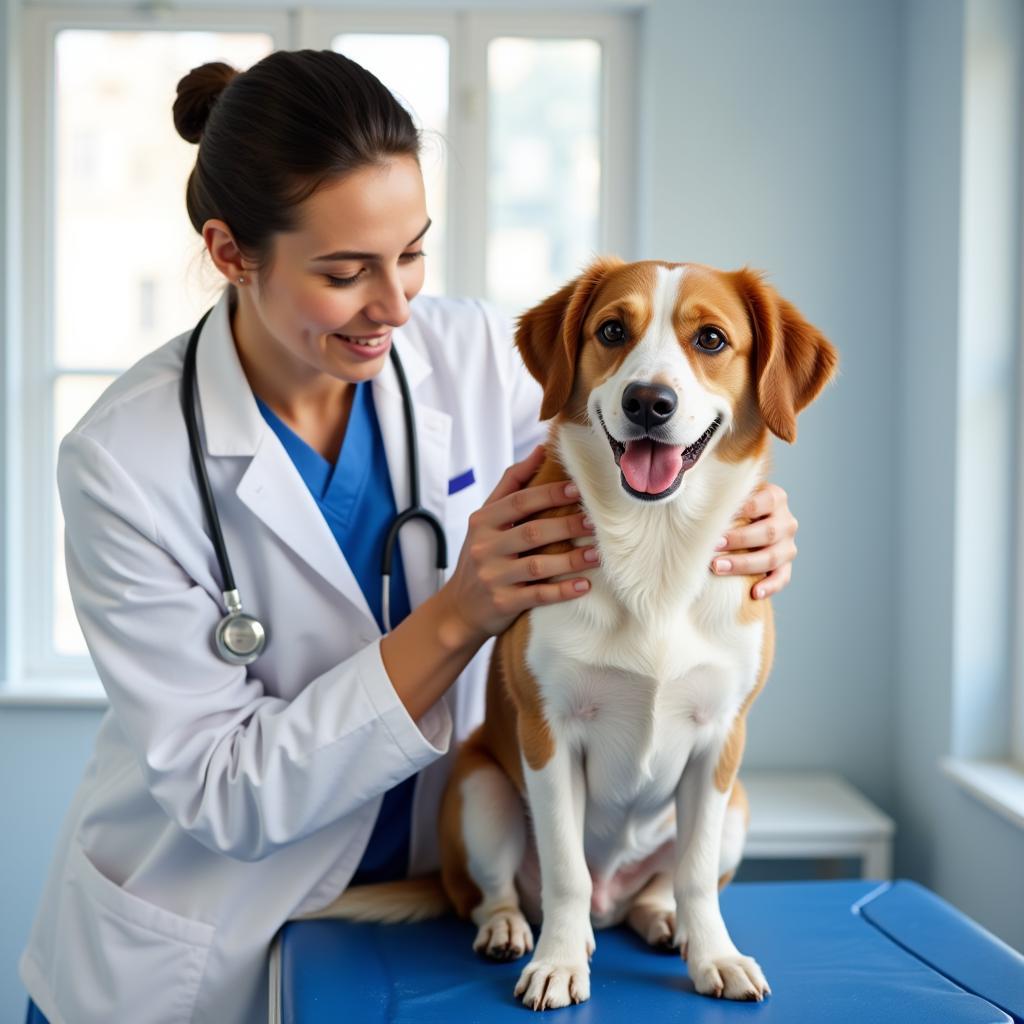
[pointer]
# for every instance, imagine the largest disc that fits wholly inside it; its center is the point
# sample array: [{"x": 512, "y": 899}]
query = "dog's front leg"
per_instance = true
[
  {"x": 716, "y": 966},
  {"x": 559, "y": 973}
]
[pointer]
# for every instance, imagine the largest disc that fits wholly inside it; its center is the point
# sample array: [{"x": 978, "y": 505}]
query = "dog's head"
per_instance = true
[{"x": 672, "y": 362}]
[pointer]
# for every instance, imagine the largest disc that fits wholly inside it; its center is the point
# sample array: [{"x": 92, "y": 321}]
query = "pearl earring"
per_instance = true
[{"x": 241, "y": 280}]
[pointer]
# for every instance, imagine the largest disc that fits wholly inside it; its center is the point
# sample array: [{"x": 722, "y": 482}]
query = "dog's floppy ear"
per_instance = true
[
  {"x": 793, "y": 360},
  {"x": 548, "y": 335}
]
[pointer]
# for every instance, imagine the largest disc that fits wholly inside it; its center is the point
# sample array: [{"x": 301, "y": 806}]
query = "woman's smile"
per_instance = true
[{"x": 366, "y": 347}]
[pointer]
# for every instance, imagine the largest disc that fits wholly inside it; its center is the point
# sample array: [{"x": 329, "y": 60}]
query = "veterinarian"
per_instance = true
[{"x": 223, "y": 798}]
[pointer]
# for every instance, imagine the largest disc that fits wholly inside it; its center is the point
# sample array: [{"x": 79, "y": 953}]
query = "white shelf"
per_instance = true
[{"x": 816, "y": 814}]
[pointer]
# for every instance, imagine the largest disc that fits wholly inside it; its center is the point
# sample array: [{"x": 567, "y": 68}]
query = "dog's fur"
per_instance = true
[{"x": 615, "y": 723}]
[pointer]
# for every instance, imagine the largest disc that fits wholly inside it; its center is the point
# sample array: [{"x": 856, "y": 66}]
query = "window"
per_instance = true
[
  {"x": 544, "y": 168},
  {"x": 1017, "y": 606},
  {"x": 415, "y": 69},
  {"x": 524, "y": 121},
  {"x": 115, "y": 230}
]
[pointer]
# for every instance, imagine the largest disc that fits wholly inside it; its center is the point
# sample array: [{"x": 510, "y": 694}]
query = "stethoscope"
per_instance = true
[{"x": 240, "y": 638}]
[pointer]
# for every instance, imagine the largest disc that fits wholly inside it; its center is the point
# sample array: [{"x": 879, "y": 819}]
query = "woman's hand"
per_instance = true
[
  {"x": 767, "y": 542},
  {"x": 492, "y": 584}
]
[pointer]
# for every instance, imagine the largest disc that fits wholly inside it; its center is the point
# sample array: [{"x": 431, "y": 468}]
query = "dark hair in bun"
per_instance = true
[
  {"x": 197, "y": 93},
  {"x": 269, "y": 137}
]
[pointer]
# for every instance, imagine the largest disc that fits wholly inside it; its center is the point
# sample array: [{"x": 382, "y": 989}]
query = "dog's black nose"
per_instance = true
[{"x": 648, "y": 405}]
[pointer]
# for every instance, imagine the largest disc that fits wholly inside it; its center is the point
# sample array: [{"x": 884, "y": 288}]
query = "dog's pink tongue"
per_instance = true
[{"x": 649, "y": 467}]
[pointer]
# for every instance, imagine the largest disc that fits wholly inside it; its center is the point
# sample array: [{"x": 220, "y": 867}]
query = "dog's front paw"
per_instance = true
[
  {"x": 733, "y": 977},
  {"x": 505, "y": 936},
  {"x": 546, "y": 985}
]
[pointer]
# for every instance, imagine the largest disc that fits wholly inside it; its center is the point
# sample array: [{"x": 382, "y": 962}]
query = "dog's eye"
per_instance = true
[
  {"x": 611, "y": 332},
  {"x": 711, "y": 339}
]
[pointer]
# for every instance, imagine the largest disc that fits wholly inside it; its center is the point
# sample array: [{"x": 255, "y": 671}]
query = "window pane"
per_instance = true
[
  {"x": 73, "y": 395},
  {"x": 415, "y": 69},
  {"x": 543, "y": 165},
  {"x": 130, "y": 273}
]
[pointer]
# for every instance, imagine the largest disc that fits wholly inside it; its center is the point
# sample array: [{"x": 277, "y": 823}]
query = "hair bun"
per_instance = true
[{"x": 198, "y": 91}]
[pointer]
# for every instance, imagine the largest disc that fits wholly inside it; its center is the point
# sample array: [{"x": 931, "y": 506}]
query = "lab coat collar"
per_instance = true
[
  {"x": 234, "y": 426},
  {"x": 232, "y": 421}
]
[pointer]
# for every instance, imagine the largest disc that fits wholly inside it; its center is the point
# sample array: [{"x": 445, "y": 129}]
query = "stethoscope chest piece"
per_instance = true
[{"x": 240, "y": 638}]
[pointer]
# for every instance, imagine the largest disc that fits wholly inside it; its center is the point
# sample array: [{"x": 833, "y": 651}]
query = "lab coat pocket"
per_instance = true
[
  {"x": 457, "y": 510},
  {"x": 132, "y": 960}
]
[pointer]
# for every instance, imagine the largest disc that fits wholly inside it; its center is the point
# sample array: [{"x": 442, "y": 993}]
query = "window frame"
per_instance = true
[
  {"x": 468, "y": 34},
  {"x": 314, "y": 29},
  {"x": 32, "y": 663},
  {"x": 616, "y": 35}
]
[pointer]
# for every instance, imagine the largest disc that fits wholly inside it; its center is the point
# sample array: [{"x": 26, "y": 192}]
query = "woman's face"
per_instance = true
[{"x": 340, "y": 282}]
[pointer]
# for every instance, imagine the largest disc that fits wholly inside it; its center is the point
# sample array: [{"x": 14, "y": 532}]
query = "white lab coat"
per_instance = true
[{"x": 220, "y": 801}]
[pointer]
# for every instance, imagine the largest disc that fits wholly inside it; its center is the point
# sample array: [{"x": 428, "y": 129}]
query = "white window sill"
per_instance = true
[
  {"x": 997, "y": 784},
  {"x": 75, "y": 692}
]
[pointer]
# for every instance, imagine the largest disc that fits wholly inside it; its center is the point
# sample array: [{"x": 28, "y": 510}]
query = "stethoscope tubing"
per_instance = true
[
  {"x": 415, "y": 509},
  {"x": 240, "y": 638},
  {"x": 188, "y": 401}
]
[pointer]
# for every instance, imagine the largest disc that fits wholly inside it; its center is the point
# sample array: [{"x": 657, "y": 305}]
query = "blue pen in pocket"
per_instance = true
[{"x": 461, "y": 482}]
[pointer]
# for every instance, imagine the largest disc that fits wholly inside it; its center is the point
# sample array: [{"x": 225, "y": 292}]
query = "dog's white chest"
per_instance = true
[{"x": 639, "y": 699}]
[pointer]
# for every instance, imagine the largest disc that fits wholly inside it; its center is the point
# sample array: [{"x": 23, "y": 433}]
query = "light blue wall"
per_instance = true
[
  {"x": 820, "y": 140},
  {"x": 948, "y": 841},
  {"x": 826, "y": 142},
  {"x": 42, "y": 754},
  {"x": 771, "y": 136}
]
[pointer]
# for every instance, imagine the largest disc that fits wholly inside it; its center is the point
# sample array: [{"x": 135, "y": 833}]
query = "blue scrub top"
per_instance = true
[{"x": 354, "y": 496}]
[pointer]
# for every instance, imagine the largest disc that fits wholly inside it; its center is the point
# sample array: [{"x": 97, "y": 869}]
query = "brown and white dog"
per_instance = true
[{"x": 602, "y": 786}]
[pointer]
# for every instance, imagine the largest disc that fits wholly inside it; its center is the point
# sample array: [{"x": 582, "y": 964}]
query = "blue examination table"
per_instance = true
[{"x": 863, "y": 952}]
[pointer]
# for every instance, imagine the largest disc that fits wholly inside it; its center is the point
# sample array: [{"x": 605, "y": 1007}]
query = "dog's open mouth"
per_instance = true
[{"x": 651, "y": 469}]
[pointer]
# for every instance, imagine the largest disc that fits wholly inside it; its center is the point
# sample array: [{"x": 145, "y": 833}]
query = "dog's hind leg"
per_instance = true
[
  {"x": 484, "y": 827},
  {"x": 653, "y": 912}
]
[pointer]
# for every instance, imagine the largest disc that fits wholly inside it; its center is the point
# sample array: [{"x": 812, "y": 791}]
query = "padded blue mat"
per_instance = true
[
  {"x": 977, "y": 961},
  {"x": 824, "y": 959}
]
